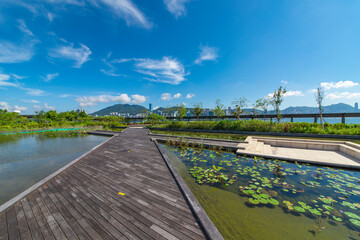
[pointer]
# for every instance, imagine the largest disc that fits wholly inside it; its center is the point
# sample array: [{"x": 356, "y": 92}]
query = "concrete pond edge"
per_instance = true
[{"x": 206, "y": 224}]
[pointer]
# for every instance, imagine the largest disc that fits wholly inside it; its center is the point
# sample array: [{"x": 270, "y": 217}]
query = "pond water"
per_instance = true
[
  {"x": 249, "y": 198},
  {"x": 27, "y": 159}
]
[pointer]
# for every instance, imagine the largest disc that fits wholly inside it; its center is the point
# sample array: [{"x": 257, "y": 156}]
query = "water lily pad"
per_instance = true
[
  {"x": 299, "y": 209},
  {"x": 337, "y": 219},
  {"x": 355, "y": 222},
  {"x": 352, "y": 215},
  {"x": 273, "y": 201},
  {"x": 263, "y": 195},
  {"x": 263, "y": 200},
  {"x": 253, "y": 201},
  {"x": 315, "y": 212},
  {"x": 327, "y": 207}
]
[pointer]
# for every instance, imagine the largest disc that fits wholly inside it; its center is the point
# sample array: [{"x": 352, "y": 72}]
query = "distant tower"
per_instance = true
[
  {"x": 356, "y": 107},
  {"x": 150, "y": 107}
]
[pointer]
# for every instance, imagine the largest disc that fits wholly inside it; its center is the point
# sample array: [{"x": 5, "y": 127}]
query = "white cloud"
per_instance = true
[
  {"x": 51, "y": 76},
  {"x": 166, "y": 70},
  {"x": 346, "y": 95},
  {"x": 176, "y": 7},
  {"x": 178, "y": 95},
  {"x": 17, "y": 76},
  {"x": 290, "y": 93},
  {"x": 22, "y": 26},
  {"x": 44, "y": 107},
  {"x": 79, "y": 55},
  {"x": 30, "y": 101},
  {"x": 166, "y": 97},
  {"x": 136, "y": 98},
  {"x": 127, "y": 10},
  {"x": 11, "y": 53},
  {"x": 284, "y": 82},
  {"x": 16, "y": 108},
  {"x": 34, "y": 92},
  {"x": 189, "y": 95},
  {"x": 207, "y": 54},
  {"x": 293, "y": 93},
  {"x": 340, "y": 84},
  {"x": 111, "y": 73},
  {"x": 4, "y": 81},
  {"x": 90, "y": 101},
  {"x": 4, "y": 105},
  {"x": 155, "y": 108},
  {"x": 19, "y": 109}
]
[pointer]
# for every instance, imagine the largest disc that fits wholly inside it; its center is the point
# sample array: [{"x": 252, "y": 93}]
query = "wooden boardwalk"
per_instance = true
[{"x": 83, "y": 202}]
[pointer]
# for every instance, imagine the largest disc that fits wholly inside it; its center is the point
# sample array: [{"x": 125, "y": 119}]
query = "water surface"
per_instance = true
[
  {"x": 27, "y": 159},
  {"x": 249, "y": 198}
]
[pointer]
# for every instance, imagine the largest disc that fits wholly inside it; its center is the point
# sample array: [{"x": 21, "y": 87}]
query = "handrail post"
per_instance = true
[
  {"x": 343, "y": 118},
  {"x": 315, "y": 119},
  {"x": 291, "y": 119}
]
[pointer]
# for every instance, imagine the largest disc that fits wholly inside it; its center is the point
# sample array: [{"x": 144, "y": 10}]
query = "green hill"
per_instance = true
[{"x": 120, "y": 108}]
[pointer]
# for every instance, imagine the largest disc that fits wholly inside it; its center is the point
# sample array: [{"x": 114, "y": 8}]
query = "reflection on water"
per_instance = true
[
  {"x": 27, "y": 159},
  {"x": 249, "y": 198}
]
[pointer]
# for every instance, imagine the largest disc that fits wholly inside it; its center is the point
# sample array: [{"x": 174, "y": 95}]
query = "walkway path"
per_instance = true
[{"x": 122, "y": 190}]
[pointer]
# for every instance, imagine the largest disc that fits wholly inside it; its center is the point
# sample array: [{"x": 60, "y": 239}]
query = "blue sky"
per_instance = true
[{"x": 70, "y": 54}]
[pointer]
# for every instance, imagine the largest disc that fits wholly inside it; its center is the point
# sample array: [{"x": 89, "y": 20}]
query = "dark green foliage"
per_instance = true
[
  {"x": 154, "y": 118},
  {"x": 52, "y": 119},
  {"x": 265, "y": 126}
]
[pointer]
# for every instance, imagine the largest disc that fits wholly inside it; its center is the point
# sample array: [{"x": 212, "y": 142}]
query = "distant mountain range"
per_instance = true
[{"x": 135, "y": 109}]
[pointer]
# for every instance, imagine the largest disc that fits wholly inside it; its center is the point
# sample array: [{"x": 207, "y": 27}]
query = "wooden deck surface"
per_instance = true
[{"x": 83, "y": 202}]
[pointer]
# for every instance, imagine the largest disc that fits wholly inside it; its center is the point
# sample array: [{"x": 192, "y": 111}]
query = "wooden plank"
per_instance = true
[
  {"x": 43, "y": 225},
  {"x": 3, "y": 227},
  {"x": 33, "y": 226},
  {"x": 55, "y": 228},
  {"x": 128, "y": 229},
  {"x": 96, "y": 215},
  {"x": 80, "y": 219},
  {"x": 21, "y": 220},
  {"x": 130, "y": 216},
  {"x": 176, "y": 222},
  {"x": 71, "y": 221},
  {"x": 13, "y": 229},
  {"x": 66, "y": 228},
  {"x": 92, "y": 221}
]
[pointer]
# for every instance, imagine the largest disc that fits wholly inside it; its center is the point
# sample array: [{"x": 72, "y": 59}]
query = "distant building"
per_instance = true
[
  {"x": 228, "y": 111},
  {"x": 356, "y": 107},
  {"x": 150, "y": 107}
]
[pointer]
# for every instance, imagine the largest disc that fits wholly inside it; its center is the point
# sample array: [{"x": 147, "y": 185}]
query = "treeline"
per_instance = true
[
  {"x": 266, "y": 126},
  {"x": 50, "y": 119}
]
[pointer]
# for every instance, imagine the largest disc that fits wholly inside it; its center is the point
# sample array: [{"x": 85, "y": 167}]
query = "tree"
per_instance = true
[
  {"x": 219, "y": 109},
  {"x": 276, "y": 100},
  {"x": 239, "y": 104},
  {"x": 319, "y": 96},
  {"x": 198, "y": 109},
  {"x": 155, "y": 118},
  {"x": 181, "y": 111},
  {"x": 262, "y": 103}
]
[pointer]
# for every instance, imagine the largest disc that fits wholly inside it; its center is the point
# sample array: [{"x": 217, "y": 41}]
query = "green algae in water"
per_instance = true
[{"x": 295, "y": 196}]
